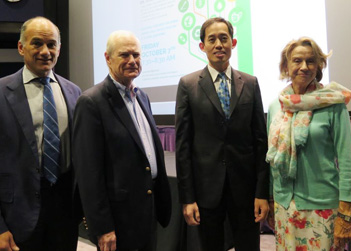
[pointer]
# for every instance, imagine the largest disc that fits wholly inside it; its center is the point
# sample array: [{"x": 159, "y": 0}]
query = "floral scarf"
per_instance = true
[{"x": 289, "y": 128}]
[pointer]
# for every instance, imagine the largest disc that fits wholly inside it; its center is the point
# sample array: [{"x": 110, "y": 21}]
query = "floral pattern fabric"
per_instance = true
[
  {"x": 304, "y": 230},
  {"x": 289, "y": 128}
]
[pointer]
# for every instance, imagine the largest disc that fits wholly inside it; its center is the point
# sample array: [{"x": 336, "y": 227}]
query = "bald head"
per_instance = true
[
  {"x": 36, "y": 21},
  {"x": 39, "y": 45}
]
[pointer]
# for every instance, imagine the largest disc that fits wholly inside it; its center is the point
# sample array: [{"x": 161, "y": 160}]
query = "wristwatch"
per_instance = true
[{"x": 344, "y": 217}]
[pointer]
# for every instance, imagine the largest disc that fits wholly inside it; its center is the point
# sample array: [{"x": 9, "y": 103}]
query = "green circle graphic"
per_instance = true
[
  {"x": 183, "y": 5},
  {"x": 219, "y": 5},
  {"x": 188, "y": 21},
  {"x": 235, "y": 16},
  {"x": 196, "y": 33},
  {"x": 182, "y": 38},
  {"x": 200, "y": 4}
]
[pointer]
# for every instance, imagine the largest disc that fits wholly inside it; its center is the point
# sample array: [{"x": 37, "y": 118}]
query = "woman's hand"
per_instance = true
[{"x": 270, "y": 219}]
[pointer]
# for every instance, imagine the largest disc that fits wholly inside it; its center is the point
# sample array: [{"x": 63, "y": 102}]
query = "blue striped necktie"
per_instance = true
[
  {"x": 51, "y": 142},
  {"x": 223, "y": 94}
]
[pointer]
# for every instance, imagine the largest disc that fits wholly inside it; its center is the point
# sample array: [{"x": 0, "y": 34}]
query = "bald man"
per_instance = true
[
  {"x": 118, "y": 156},
  {"x": 36, "y": 206}
]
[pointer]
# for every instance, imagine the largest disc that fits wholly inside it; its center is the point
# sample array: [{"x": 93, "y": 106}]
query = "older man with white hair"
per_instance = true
[{"x": 118, "y": 156}]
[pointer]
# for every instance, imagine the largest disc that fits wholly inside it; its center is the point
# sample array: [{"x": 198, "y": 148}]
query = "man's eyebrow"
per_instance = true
[
  {"x": 40, "y": 39},
  {"x": 36, "y": 39}
]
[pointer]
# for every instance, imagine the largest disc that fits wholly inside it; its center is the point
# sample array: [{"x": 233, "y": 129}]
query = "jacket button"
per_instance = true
[
  {"x": 149, "y": 192},
  {"x": 148, "y": 169},
  {"x": 37, "y": 195}
]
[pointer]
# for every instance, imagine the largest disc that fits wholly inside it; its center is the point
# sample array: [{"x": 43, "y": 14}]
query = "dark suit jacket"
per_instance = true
[
  {"x": 19, "y": 163},
  {"x": 208, "y": 147},
  {"x": 112, "y": 168}
]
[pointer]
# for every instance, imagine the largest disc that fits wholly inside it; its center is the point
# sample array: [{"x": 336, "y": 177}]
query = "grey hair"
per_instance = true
[
  {"x": 25, "y": 26},
  {"x": 111, "y": 44}
]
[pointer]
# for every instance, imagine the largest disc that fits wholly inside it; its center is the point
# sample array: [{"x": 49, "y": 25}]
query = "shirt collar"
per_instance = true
[
  {"x": 214, "y": 73},
  {"x": 134, "y": 89},
  {"x": 29, "y": 76}
]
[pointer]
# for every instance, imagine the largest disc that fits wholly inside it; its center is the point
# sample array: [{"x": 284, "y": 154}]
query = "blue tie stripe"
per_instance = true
[
  {"x": 52, "y": 146},
  {"x": 49, "y": 102},
  {"x": 51, "y": 162},
  {"x": 223, "y": 95},
  {"x": 52, "y": 133},
  {"x": 50, "y": 117},
  {"x": 48, "y": 172},
  {"x": 51, "y": 141}
]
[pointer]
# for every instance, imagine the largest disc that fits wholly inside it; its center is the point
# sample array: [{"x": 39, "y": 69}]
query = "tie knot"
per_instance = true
[
  {"x": 222, "y": 76},
  {"x": 45, "y": 80},
  {"x": 128, "y": 94}
]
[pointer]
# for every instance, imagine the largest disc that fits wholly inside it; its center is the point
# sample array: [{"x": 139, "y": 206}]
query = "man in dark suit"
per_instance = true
[
  {"x": 118, "y": 156},
  {"x": 221, "y": 146},
  {"x": 36, "y": 211}
]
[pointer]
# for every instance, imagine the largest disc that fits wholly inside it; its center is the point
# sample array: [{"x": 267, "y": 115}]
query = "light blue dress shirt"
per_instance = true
[{"x": 141, "y": 124}]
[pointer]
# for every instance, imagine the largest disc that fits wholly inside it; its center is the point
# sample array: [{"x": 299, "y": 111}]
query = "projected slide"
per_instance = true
[
  {"x": 170, "y": 35},
  {"x": 169, "y": 31}
]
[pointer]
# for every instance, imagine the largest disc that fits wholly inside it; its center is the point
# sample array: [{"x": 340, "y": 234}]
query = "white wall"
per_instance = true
[
  {"x": 339, "y": 40},
  {"x": 81, "y": 43}
]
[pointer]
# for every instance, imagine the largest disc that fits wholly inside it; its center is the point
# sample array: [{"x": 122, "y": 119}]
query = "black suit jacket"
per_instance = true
[
  {"x": 112, "y": 168},
  {"x": 19, "y": 163},
  {"x": 209, "y": 148}
]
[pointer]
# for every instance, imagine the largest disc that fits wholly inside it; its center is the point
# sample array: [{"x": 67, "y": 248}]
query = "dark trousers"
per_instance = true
[
  {"x": 56, "y": 229},
  {"x": 246, "y": 233},
  {"x": 152, "y": 244}
]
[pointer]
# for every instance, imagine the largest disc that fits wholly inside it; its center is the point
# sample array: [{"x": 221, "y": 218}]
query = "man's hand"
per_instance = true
[
  {"x": 261, "y": 209},
  {"x": 7, "y": 243},
  {"x": 191, "y": 214},
  {"x": 107, "y": 242}
]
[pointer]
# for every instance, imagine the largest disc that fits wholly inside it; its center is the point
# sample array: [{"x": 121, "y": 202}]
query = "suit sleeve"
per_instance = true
[
  {"x": 260, "y": 145},
  {"x": 88, "y": 159},
  {"x": 184, "y": 141}
]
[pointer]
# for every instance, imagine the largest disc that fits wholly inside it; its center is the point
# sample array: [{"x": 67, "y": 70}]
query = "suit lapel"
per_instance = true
[
  {"x": 16, "y": 96},
  {"x": 70, "y": 102},
  {"x": 207, "y": 85},
  {"x": 236, "y": 89},
  {"x": 120, "y": 109},
  {"x": 67, "y": 94}
]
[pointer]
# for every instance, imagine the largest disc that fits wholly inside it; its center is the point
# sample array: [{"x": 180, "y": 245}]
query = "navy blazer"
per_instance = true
[
  {"x": 112, "y": 168},
  {"x": 19, "y": 163},
  {"x": 210, "y": 148}
]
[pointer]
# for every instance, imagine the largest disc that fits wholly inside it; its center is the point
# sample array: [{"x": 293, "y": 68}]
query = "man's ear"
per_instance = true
[
  {"x": 107, "y": 58},
  {"x": 20, "y": 48},
  {"x": 234, "y": 42},
  {"x": 59, "y": 50},
  {"x": 201, "y": 45}
]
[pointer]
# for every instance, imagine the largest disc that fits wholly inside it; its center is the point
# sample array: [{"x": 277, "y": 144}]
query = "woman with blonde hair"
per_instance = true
[{"x": 310, "y": 154}]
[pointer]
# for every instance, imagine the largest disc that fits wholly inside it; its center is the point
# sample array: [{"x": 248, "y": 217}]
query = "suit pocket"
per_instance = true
[
  {"x": 119, "y": 195},
  {"x": 6, "y": 188}
]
